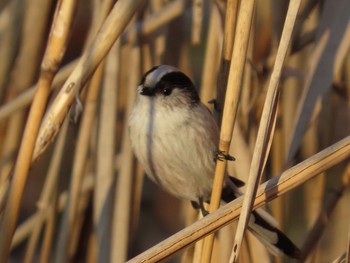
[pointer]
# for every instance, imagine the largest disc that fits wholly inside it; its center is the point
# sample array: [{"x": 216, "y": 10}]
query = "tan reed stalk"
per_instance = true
[
  {"x": 105, "y": 172},
  {"x": 26, "y": 228},
  {"x": 230, "y": 108},
  {"x": 25, "y": 66},
  {"x": 212, "y": 57},
  {"x": 340, "y": 259},
  {"x": 10, "y": 31},
  {"x": 266, "y": 128},
  {"x": 52, "y": 57},
  {"x": 197, "y": 20},
  {"x": 80, "y": 160},
  {"x": 47, "y": 194},
  {"x": 25, "y": 98},
  {"x": 112, "y": 27},
  {"x": 121, "y": 217},
  {"x": 277, "y": 186},
  {"x": 226, "y": 56},
  {"x": 333, "y": 36}
]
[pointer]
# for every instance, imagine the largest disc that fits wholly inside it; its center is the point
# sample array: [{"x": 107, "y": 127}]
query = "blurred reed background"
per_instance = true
[{"x": 81, "y": 196}]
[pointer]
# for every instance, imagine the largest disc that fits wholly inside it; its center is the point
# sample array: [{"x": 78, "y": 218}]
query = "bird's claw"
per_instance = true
[{"x": 221, "y": 156}]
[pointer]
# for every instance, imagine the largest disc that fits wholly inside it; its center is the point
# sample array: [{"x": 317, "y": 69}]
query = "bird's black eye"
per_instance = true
[{"x": 166, "y": 91}]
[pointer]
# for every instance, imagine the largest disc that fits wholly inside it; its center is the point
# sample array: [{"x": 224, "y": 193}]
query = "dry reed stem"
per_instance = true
[
  {"x": 25, "y": 98},
  {"x": 52, "y": 57},
  {"x": 122, "y": 201},
  {"x": 230, "y": 107},
  {"x": 112, "y": 27},
  {"x": 277, "y": 186},
  {"x": 47, "y": 194},
  {"x": 266, "y": 128},
  {"x": 333, "y": 34},
  {"x": 229, "y": 35},
  {"x": 80, "y": 160},
  {"x": 212, "y": 57},
  {"x": 105, "y": 172},
  {"x": 197, "y": 20}
]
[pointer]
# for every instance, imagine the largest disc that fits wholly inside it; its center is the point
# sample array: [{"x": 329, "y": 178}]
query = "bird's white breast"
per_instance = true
[{"x": 175, "y": 146}]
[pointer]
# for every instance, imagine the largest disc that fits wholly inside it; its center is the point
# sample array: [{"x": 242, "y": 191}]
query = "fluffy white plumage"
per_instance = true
[{"x": 163, "y": 141}]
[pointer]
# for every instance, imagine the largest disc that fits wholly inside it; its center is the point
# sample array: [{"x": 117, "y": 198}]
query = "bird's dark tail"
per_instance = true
[{"x": 264, "y": 227}]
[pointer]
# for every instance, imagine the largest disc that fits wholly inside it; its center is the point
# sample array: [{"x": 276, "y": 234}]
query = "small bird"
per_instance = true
[{"x": 175, "y": 138}]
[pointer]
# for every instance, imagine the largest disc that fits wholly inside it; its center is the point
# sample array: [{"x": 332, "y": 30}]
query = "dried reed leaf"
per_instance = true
[{"x": 332, "y": 39}]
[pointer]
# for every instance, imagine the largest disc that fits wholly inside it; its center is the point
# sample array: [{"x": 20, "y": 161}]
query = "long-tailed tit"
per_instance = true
[{"x": 175, "y": 138}]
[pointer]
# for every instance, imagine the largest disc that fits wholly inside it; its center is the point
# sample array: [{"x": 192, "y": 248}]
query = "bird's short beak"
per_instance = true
[{"x": 147, "y": 91}]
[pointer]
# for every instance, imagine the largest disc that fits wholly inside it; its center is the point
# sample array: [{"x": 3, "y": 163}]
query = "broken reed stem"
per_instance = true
[
  {"x": 230, "y": 108},
  {"x": 266, "y": 128},
  {"x": 110, "y": 30},
  {"x": 52, "y": 57},
  {"x": 277, "y": 186}
]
